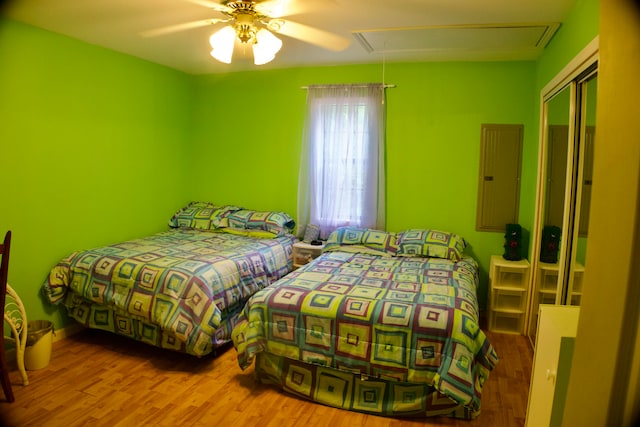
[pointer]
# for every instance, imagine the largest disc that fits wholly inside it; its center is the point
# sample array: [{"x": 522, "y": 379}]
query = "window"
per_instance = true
[{"x": 342, "y": 162}]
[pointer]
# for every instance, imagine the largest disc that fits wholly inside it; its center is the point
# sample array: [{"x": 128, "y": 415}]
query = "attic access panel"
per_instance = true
[{"x": 516, "y": 39}]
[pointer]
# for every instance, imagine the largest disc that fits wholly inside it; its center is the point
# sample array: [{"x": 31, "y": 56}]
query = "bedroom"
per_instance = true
[{"x": 98, "y": 120}]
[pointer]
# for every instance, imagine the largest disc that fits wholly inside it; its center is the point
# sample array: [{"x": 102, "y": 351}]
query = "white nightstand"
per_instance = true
[
  {"x": 508, "y": 292},
  {"x": 304, "y": 253}
]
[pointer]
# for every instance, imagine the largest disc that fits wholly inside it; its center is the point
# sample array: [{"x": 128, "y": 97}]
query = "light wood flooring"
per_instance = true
[{"x": 96, "y": 378}]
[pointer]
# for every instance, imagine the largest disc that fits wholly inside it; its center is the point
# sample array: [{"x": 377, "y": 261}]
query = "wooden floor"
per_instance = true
[{"x": 95, "y": 378}]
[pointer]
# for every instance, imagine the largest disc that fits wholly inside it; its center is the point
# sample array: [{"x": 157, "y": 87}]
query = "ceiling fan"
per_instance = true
[{"x": 254, "y": 23}]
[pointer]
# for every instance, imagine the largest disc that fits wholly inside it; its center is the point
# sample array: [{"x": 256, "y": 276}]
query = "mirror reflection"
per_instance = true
[
  {"x": 570, "y": 118},
  {"x": 588, "y": 92},
  {"x": 558, "y": 116},
  {"x": 557, "y": 111}
]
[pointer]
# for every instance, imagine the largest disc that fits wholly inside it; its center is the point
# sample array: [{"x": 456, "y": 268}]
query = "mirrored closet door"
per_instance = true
[{"x": 564, "y": 193}]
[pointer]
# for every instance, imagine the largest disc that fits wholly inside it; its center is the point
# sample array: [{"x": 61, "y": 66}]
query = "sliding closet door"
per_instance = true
[
  {"x": 555, "y": 179},
  {"x": 586, "y": 95},
  {"x": 564, "y": 194}
]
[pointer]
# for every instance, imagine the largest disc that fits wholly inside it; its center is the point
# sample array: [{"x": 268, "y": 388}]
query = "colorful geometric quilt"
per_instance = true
[
  {"x": 411, "y": 322},
  {"x": 174, "y": 289}
]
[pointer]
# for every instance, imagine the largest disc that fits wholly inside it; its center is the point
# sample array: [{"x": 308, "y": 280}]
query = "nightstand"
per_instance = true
[
  {"x": 304, "y": 253},
  {"x": 508, "y": 294}
]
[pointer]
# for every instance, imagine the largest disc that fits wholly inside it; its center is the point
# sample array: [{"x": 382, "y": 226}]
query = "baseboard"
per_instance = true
[
  {"x": 67, "y": 331},
  {"x": 58, "y": 334}
]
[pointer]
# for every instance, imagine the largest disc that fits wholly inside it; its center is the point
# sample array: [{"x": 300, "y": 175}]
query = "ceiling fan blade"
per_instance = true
[
  {"x": 181, "y": 27},
  {"x": 280, "y": 8},
  {"x": 324, "y": 39},
  {"x": 209, "y": 4}
]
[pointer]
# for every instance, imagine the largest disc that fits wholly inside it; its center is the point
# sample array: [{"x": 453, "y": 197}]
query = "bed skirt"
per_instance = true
[
  {"x": 96, "y": 316},
  {"x": 356, "y": 392}
]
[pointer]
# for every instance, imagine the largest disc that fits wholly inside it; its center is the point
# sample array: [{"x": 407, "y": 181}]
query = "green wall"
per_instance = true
[
  {"x": 91, "y": 151},
  {"x": 249, "y": 129},
  {"x": 97, "y": 147},
  {"x": 577, "y": 31}
]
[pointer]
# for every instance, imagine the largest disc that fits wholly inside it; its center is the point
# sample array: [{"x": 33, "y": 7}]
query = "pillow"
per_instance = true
[
  {"x": 431, "y": 243},
  {"x": 255, "y": 234},
  {"x": 278, "y": 223},
  {"x": 200, "y": 215},
  {"x": 359, "y": 249},
  {"x": 380, "y": 241}
]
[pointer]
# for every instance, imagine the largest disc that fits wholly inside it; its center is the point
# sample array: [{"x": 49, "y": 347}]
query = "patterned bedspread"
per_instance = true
[
  {"x": 184, "y": 282},
  {"x": 405, "y": 319}
]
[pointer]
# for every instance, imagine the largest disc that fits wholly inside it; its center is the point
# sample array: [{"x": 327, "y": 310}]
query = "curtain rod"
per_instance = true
[{"x": 338, "y": 85}]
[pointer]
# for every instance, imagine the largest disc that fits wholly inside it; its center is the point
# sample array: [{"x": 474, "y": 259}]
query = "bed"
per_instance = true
[
  {"x": 380, "y": 323},
  {"x": 180, "y": 289}
]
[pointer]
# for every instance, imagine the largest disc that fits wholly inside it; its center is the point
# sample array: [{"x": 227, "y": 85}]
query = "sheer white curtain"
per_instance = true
[{"x": 342, "y": 162}]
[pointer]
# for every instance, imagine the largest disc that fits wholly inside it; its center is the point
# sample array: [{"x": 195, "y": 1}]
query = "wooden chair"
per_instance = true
[{"x": 4, "y": 268}]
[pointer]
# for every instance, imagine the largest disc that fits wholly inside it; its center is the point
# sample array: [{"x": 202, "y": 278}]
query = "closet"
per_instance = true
[{"x": 561, "y": 231}]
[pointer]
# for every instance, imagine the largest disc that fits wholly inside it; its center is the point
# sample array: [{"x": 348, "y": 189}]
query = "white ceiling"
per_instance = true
[{"x": 371, "y": 30}]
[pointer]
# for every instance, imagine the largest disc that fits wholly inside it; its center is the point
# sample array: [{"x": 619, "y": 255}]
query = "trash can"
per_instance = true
[{"x": 37, "y": 353}]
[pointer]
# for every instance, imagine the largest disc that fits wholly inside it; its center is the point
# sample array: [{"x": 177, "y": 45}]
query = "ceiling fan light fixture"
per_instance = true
[
  {"x": 248, "y": 26},
  {"x": 261, "y": 57},
  {"x": 222, "y": 43},
  {"x": 265, "y": 47},
  {"x": 275, "y": 24},
  {"x": 245, "y": 26}
]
